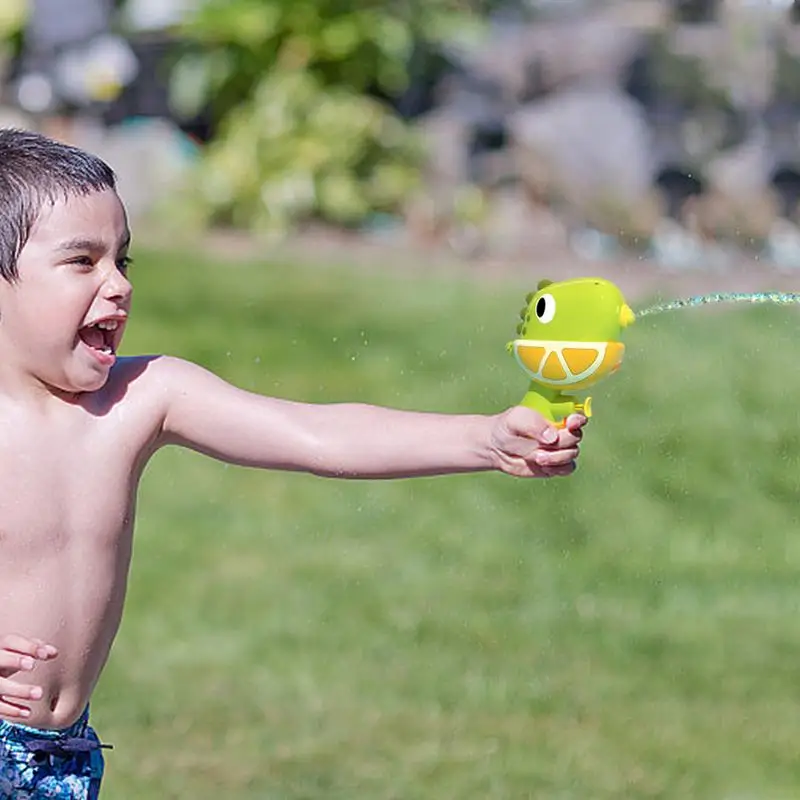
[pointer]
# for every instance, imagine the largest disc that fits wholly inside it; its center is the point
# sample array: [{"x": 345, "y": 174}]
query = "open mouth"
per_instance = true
[{"x": 101, "y": 336}]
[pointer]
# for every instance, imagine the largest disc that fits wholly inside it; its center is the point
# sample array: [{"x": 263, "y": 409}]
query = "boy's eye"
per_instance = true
[
  {"x": 124, "y": 263},
  {"x": 82, "y": 261}
]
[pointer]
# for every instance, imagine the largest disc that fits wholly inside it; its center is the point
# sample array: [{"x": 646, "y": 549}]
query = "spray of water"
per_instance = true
[{"x": 781, "y": 298}]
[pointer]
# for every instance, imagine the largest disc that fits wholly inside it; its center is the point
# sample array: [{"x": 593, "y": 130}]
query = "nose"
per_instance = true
[{"x": 116, "y": 286}]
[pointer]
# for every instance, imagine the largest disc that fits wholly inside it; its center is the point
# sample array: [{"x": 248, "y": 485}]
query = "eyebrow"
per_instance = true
[{"x": 92, "y": 245}]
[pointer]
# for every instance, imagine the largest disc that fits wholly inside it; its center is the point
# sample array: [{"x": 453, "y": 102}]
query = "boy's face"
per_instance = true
[{"x": 63, "y": 320}]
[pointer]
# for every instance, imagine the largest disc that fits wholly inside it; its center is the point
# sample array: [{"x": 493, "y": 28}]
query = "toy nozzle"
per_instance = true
[{"x": 626, "y": 316}]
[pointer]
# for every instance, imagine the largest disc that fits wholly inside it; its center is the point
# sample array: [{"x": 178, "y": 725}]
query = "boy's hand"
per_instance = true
[
  {"x": 20, "y": 654},
  {"x": 527, "y": 445}
]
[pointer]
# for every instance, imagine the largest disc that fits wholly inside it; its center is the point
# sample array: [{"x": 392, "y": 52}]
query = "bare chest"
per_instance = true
[{"x": 57, "y": 487}]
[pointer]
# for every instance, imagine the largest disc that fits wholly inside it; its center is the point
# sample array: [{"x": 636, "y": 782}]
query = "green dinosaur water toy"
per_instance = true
[{"x": 568, "y": 341}]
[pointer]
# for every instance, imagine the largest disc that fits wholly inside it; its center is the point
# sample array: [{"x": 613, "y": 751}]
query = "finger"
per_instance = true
[
  {"x": 530, "y": 424},
  {"x": 44, "y": 650},
  {"x": 20, "y": 644},
  {"x": 19, "y": 691},
  {"x": 571, "y": 432},
  {"x": 566, "y": 439},
  {"x": 569, "y": 435},
  {"x": 555, "y": 458},
  {"x": 13, "y": 710},
  {"x": 576, "y": 422},
  {"x": 574, "y": 426},
  {"x": 560, "y": 472},
  {"x": 29, "y": 647},
  {"x": 14, "y": 662},
  {"x": 525, "y": 447}
]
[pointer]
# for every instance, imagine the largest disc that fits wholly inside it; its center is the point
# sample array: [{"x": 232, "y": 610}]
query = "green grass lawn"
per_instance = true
[{"x": 630, "y": 632}]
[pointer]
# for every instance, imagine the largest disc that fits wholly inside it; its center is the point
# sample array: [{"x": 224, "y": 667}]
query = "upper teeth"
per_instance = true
[{"x": 108, "y": 325}]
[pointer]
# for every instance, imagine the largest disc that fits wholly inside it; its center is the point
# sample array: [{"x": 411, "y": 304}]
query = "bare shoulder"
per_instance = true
[
  {"x": 139, "y": 374},
  {"x": 145, "y": 394},
  {"x": 164, "y": 377},
  {"x": 152, "y": 380},
  {"x": 144, "y": 383},
  {"x": 151, "y": 371},
  {"x": 161, "y": 382}
]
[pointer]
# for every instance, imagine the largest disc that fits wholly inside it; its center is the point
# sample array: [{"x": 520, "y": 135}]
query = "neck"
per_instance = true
[{"x": 20, "y": 385}]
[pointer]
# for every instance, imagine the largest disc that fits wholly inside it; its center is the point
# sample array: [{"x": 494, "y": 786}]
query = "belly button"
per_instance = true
[{"x": 53, "y": 702}]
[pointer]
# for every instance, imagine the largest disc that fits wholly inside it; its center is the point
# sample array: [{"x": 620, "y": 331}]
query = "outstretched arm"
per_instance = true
[{"x": 350, "y": 440}]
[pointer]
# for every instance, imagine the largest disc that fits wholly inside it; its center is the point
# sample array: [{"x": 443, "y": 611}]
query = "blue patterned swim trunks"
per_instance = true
[{"x": 37, "y": 764}]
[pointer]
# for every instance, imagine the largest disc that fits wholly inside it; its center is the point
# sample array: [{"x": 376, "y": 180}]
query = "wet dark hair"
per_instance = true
[{"x": 35, "y": 171}]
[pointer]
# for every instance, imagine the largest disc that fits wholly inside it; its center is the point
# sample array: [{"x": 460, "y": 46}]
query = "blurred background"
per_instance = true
[
  {"x": 298, "y": 171},
  {"x": 664, "y": 130}
]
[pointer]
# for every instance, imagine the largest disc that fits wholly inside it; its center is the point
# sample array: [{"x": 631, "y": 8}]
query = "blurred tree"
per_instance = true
[
  {"x": 301, "y": 93},
  {"x": 13, "y": 14},
  {"x": 787, "y": 76},
  {"x": 13, "y": 17}
]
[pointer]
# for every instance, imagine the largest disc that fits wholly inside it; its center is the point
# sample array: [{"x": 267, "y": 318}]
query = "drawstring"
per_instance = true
[{"x": 64, "y": 747}]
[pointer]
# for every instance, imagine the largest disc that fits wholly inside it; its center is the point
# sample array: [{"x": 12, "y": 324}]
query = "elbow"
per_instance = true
[{"x": 322, "y": 458}]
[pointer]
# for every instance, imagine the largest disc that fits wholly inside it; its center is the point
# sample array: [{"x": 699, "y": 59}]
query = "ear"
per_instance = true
[{"x": 542, "y": 283}]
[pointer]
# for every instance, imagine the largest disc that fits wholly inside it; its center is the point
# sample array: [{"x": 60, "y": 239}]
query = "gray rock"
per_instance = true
[{"x": 595, "y": 140}]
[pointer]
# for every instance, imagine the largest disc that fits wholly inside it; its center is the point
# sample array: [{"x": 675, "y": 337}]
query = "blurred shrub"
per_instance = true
[
  {"x": 13, "y": 16},
  {"x": 787, "y": 75},
  {"x": 294, "y": 87}
]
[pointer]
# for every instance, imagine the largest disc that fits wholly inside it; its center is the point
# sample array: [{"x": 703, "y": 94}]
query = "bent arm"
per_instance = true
[{"x": 348, "y": 440}]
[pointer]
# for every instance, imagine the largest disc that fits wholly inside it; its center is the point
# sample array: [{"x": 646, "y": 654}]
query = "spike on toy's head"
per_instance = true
[{"x": 582, "y": 309}]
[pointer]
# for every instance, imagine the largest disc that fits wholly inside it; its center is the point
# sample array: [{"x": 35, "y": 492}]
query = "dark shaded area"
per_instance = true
[
  {"x": 695, "y": 12},
  {"x": 148, "y": 94},
  {"x": 785, "y": 181},
  {"x": 677, "y": 186},
  {"x": 427, "y": 67}
]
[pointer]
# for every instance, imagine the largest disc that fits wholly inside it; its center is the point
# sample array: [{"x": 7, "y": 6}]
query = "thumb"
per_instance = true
[
  {"x": 530, "y": 423},
  {"x": 548, "y": 434}
]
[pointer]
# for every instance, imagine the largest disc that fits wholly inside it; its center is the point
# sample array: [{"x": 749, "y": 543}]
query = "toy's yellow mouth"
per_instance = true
[
  {"x": 626, "y": 316},
  {"x": 568, "y": 364}
]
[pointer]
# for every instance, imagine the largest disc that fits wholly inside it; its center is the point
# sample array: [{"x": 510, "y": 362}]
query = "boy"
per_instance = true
[{"x": 78, "y": 425}]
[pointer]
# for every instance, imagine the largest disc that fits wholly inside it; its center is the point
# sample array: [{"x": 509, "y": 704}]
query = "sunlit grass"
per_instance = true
[{"x": 631, "y": 632}]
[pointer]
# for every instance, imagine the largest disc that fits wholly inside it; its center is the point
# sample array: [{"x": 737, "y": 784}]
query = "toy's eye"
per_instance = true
[{"x": 546, "y": 308}]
